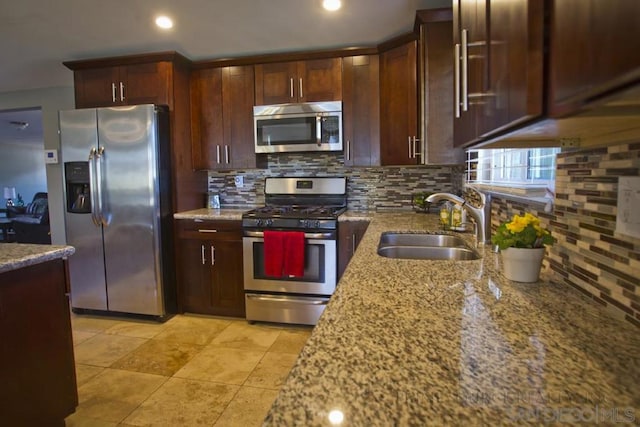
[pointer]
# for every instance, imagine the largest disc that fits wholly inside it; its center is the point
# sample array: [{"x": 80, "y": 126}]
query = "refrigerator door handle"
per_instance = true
[
  {"x": 93, "y": 187},
  {"x": 105, "y": 220}
]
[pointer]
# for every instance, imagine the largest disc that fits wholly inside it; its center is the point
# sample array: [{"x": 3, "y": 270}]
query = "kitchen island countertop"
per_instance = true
[
  {"x": 415, "y": 342},
  {"x": 17, "y": 255}
]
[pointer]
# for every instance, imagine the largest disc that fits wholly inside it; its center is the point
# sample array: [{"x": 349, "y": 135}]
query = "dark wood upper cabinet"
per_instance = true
[
  {"x": 222, "y": 118},
  {"x": 435, "y": 72},
  {"x": 594, "y": 49},
  {"x": 300, "y": 81},
  {"x": 500, "y": 63},
  {"x": 361, "y": 110},
  {"x": 399, "y": 105},
  {"x": 148, "y": 83}
]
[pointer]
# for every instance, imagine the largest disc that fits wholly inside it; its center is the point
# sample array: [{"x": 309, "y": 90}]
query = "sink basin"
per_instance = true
[
  {"x": 425, "y": 246},
  {"x": 421, "y": 239},
  {"x": 428, "y": 252}
]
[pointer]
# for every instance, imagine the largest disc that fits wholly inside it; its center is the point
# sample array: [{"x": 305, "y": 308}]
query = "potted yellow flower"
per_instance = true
[{"x": 522, "y": 244}]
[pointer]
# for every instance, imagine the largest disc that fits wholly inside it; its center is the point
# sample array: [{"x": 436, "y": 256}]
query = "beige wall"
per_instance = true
[{"x": 50, "y": 100}]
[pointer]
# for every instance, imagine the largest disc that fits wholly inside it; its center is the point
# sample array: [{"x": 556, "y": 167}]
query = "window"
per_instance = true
[{"x": 513, "y": 169}]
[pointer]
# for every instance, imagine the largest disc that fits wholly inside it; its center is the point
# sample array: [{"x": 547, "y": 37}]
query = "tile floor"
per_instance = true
[{"x": 190, "y": 371}]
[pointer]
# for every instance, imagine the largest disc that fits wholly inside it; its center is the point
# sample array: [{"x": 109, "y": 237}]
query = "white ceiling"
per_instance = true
[{"x": 37, "y": 36}]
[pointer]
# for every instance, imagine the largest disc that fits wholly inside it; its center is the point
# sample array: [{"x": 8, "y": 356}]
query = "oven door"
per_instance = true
[{"x": 319, "y": 271}]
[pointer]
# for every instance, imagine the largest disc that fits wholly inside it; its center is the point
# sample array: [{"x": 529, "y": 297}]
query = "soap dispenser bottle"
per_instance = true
[{"x": 445, "y": 215}]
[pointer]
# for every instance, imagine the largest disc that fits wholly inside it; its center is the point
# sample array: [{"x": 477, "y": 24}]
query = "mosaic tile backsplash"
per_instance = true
[
  {"x": 367, "y": 188},
  {"x": 589, "y": 255}
]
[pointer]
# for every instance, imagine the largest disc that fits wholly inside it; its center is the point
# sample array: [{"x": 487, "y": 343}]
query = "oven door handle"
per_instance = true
[
  {"x": 308, "y": 301},
  {"x": 260, "y": 234}
]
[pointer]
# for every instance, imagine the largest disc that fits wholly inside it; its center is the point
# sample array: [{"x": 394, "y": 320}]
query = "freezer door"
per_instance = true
[
  {"x": 78, "y": 135},
  {"x": 130, "y": 209}
]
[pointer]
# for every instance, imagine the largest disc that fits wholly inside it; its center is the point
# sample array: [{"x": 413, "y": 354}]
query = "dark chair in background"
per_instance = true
[{"x": 31, "y": 223}]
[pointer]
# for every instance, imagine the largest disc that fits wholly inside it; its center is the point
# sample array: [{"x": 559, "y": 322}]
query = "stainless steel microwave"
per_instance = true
[{"x": 310, "y": 126}]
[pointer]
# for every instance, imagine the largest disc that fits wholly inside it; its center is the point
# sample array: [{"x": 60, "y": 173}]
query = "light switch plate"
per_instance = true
[
  {"x": 239, "y": 179},
  {"x": 51, "y": 156},
  {"x": 627, "y": 219}
]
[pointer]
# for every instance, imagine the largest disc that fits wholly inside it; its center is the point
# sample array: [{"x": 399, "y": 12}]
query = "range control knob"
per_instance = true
[
  {"x": 316, "y": 223},
  {"x": 269, "y": 222},
  {"x": 259, "y": 222}
]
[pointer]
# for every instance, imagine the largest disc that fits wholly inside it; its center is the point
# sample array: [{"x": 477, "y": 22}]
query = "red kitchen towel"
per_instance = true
[
  {"x": 294, "y": 254},
  {"x": 274, "y": 252}
]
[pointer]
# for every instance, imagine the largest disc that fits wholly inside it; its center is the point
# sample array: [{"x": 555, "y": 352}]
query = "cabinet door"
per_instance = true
[
  {"x": 594, "y": 48},
  {"x": 361, "y": 111},
  {"x": 237, "y": 113},
  {"x": 275, "y": 83},
  {"x": 398, "y": 105},
  {"x": 146, "y": 83},
  {"x": 227, "y": 287},
  {"x": 349, "y": 235},
  {"x": 206, "y": 119},
  {"x": 194, "y": 276},
  {"x": 319, "y": 80},
  {"x": 209, "y": 266},
  {"x": 513, "y": 88},
  {"x": 97, "y": 87},
  {"x": 469, "y": 19}
]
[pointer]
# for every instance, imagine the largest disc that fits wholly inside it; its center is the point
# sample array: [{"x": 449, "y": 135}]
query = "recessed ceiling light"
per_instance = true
[
  {"x": 164, "y": 22},
  {"x": 331, "y": 4}
]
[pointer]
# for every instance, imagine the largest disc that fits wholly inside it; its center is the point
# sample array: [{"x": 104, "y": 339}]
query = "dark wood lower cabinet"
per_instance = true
[
  {"x": 349, "y": 235},
  {"x": 209, "y": 267},
  {"x": 37, "y": 367}
]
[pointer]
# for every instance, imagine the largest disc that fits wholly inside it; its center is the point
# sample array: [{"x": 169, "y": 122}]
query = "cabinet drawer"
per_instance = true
[{"x": 207, "y": 229}]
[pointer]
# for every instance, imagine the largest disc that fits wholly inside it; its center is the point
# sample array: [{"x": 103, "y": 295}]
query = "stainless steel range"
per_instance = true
[{"x": 290, "y": 249}]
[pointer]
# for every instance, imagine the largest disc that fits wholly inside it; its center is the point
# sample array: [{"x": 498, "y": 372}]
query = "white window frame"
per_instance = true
[{"x": 526, "y": 172}]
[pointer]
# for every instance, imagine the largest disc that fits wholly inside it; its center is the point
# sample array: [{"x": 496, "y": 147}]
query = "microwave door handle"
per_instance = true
[{"x": 319, "y": 130}]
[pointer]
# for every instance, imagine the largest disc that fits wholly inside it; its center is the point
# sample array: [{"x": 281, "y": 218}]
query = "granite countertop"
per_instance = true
[
  {"x": 211, "y": 214},
  {"x": 17, "y": 255},
  {"x": 414, "y": 342}
]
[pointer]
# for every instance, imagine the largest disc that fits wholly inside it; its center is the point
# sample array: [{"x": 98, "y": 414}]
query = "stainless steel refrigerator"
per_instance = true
[{"x": 118, "y": 209}]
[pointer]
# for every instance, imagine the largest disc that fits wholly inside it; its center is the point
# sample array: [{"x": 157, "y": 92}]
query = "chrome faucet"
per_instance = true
[{"x": 481, "y": 215}]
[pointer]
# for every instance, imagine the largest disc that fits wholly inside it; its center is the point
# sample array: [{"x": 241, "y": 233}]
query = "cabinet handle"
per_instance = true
[
  {"x": 203, "y": 230},
  {"x": 348, "y": 149},
  {"x": 415, "y": 147},
  {"x": 202, "y": 253},
  {"x": 353, "y": 243},
  {"x": 213, "y": 255},
  {"x": 410, "y": 156},
  {"x": 113, "y": 92},
  {"x": 226, "y": 154},
  {"x": 291, "y": 87},
  {"x": 318, "y": 130},
  {"x": 465, "y": 70},
  {"x": 301, "y": 93},
  {"x": 217, "y": 154},
  {"x": 121, "y": 91},
  {"x": 456, "y": 77}
]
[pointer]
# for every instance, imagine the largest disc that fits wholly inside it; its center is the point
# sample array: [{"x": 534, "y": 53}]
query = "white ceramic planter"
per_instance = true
[{"x": 522, "y": 264}]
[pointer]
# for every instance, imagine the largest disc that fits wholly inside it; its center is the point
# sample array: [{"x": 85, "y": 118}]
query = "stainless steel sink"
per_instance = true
[
  {"x": 421, "y": 239},
  {"x": 428, "y": 252},
  {"x": 425, "y": 246}
]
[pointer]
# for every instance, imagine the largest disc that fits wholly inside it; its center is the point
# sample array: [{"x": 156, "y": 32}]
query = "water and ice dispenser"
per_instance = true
[{"x": 77, "y": 187}]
